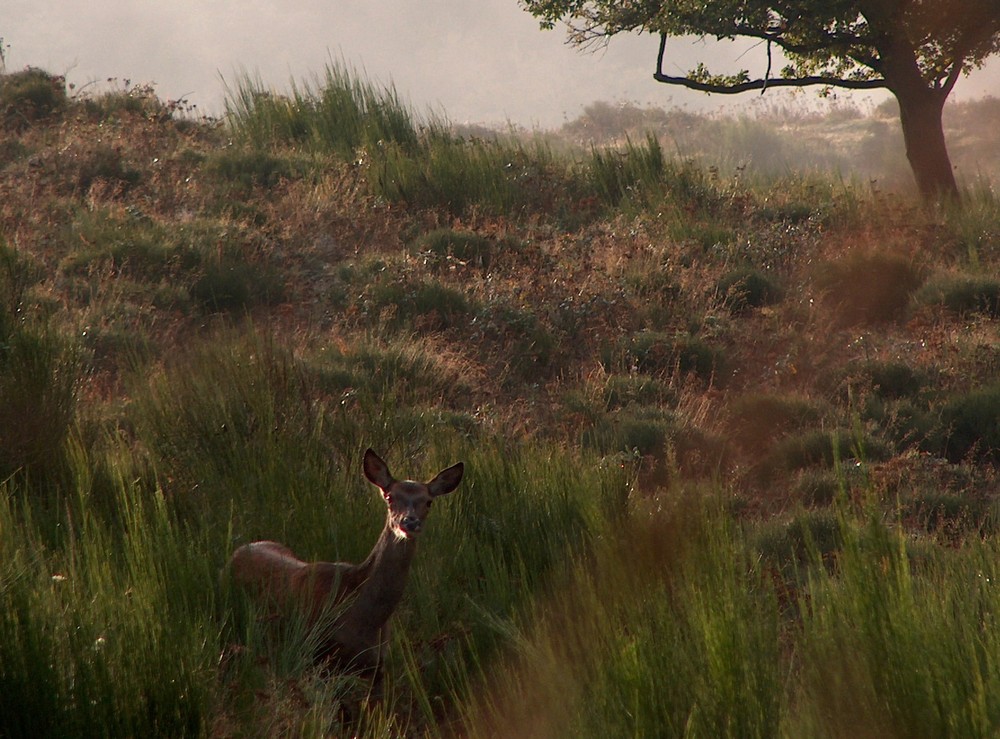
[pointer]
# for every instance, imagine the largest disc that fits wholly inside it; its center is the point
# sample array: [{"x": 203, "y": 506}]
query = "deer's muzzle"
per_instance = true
[{"x": 411, "y": 525}]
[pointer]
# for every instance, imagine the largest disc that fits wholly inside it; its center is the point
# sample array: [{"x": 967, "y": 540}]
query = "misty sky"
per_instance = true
[{"x": 481, "y": 61}]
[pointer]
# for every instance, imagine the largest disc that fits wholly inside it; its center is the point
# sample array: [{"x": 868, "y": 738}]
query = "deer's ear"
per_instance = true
[
  {"x": 377, "y": 471},
  {"x": 446, "y": 480}
]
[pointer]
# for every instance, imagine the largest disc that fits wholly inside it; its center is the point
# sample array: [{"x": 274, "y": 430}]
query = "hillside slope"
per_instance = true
[{"x": 204, "y": 323}]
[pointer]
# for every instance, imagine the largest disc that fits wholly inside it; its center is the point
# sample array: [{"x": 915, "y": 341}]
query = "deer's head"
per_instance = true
[{"x": 409, "y": 501}]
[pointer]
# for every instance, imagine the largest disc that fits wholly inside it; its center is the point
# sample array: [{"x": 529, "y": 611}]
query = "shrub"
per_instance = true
[
  {"x": 410, "y": 372},
  {"x": 818, "y": 487},
  {"x": 971, "y": 424},
  {"x": 907, "y": 422},
  {"x": 105, "y": 163},
  {"x": 814, "y": 447},
  {"x": 757, "y": 420},
  {"x": 251, "y": 168},
  {"x": 894, "y": 379},
  {"x": 869, "y": 288},
  {"x": 499, "y": 176},
  {"x": 963, "y": 294},
  {"x": 445, "y": 246},
  {"x": 947, "y": 513},
  {"x": 655, "y": 352},
  {"x": 620, "y": 391},
  {"x": 237, "y": 286},
  {"x": 137, "y": 100},
  {"x": 792, "y": 545},
  {"x": 818, "y": 448},
  {"x": 746, "y": 288},
  {"x": 516, "y": 332},
  {"x": 645, "y": 430},
  {"x": 428, "y": 303},
  {"x": 30, "y": 95},
  {"x": 700, "y": 359},
  {"x": 136, "y": 246}
]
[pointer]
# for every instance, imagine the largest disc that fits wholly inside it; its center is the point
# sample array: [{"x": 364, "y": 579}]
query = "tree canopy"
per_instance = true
[{"x": 916, "y": 49}]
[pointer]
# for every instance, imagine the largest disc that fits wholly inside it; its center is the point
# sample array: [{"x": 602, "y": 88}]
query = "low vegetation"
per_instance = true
[{"x": 729, "y": 436}]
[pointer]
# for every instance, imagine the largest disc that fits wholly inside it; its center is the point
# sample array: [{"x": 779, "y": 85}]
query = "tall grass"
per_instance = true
[
  {"x": 110, "y": 632},
  {"x": 117, "y": 621},
  {"x": 502, "y": 176},
  {"x": 669, "y": 631},
  {"x": 549, "y": 598},
  {"x": 901, "y": 641},
  {"x": 424, "y": 163},
  {"x": 39, "y": 375},
  {"x": 340, "y": 112},
  {"x": 636, "y": 170}
]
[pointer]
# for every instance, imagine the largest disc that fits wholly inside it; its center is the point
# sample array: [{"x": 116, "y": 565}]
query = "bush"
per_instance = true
[
  {"x": 251, "y": 168},
  {"x": 869, "y": 288},
  {"x": 445, "y": 247},
  {"x": 137, "y": 246},
  {"x": 792, "y": 545},
  {"x": 503, "y": 177},
  {"x": 29, "y": 96},
  {"x": 757, "y": 420},
  {"x": 962, "y": 294},
  {"x": 698, "y": 358},
  {"x": 746, "y": 288},
  {"x": 620, "y": 391},
  {"x": 428, "y": 303},
  {"x": 516, "y": 332},
  {"x": 818, "y": 448},
  {"x": 237, "y": 286},
  {"x": 105, "y": 163},
  {"x": 894, "y": 379},
  {"x": 644, "y": 431},
  {"x": 138, "y": 100},
  {"x": 947, "y": 513},
  {"x": 655, "y": 352},
  {"x": 818, "y": 487},
  {"x": 971, "y": 424}
]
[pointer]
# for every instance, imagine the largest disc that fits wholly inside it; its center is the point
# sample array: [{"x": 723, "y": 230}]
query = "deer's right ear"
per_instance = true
[{"x": 377, "y": 471}]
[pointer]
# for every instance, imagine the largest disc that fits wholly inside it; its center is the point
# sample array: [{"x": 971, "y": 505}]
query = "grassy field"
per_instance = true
[{"x": 730, "y": 430}]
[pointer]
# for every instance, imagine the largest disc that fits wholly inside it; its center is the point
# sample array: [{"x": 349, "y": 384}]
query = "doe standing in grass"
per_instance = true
[{"x": 369, "y": 592}]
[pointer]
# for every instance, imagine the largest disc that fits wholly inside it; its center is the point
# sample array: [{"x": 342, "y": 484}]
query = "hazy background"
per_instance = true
[{"x": 478, "y": 61}]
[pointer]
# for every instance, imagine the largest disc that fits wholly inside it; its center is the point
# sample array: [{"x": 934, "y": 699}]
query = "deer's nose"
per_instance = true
[{"x": 411, "y": 524}]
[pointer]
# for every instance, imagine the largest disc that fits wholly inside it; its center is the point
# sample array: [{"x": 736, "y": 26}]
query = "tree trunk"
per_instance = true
[{"x": 920, "y": 114}]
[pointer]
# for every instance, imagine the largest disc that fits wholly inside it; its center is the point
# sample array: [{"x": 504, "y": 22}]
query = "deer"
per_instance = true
[{"x": 349, "y": 605}]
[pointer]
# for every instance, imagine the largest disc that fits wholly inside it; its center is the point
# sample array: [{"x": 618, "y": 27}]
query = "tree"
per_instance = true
[{"x": 916, "y": 49}]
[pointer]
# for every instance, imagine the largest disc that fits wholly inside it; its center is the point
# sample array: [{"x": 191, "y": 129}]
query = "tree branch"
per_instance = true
[
  {"x": 760, "y": 84},
  {"x": 829, "y": 41}
]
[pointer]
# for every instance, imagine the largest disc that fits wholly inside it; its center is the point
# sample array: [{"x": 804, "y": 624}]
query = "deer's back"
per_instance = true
[{"x": 272, "y": 569}]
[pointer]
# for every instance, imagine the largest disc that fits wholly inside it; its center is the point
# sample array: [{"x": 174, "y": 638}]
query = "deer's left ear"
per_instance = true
[
  {"x": 446, "y": 480},
  {"x": 377, "y": 471}
]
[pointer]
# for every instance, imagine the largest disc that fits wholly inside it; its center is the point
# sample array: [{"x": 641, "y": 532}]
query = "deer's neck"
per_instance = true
[{"x": 384, "y": 574}]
